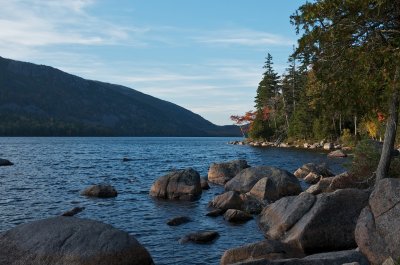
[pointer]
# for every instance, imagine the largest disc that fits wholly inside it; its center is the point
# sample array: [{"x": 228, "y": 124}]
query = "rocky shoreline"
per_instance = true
[{"x": 336, "y": 220}]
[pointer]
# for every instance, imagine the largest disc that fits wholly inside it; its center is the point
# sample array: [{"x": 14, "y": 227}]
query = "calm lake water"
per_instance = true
[{"x": 49, "y": 173}]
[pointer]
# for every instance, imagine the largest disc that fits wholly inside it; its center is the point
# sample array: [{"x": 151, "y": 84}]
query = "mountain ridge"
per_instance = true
[{"x": 40, "y": 100}]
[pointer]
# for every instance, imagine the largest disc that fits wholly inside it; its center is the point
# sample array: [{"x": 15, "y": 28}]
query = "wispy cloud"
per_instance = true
[{"x": 242, "y": 37}]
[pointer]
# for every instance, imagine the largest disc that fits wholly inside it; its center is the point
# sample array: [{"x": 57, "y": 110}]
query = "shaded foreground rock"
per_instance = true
[
  {"x": 279, "y": 183},
  {"x": 215, "y": 213},
  {"x": 70, "y": 241},
  {"x": 227, "y": 200},
  {"x": 267, "y": 249},
  {"x": 181, "y": 184},
  {"x": 329, "y": 258},
  {"x": 279, "y": 217},
  {"x": 237, "y": 216},
  {"x": 200, "y": 237},
  {"x": 100, "y": 191},
  {"x": 178, "y": 221},
  {"x": 220, "y": 173},
  {"x": 329, "y": 224},
  {"x": 378, "y": 227},
  {"x": 5, "y": 162}
]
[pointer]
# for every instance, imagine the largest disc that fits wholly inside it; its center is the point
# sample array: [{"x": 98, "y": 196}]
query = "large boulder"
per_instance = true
[
  {"x": 100, "y": 191},
  {"x": 220, "y": 173},
  {"x": 181, "y": 184},
  {"x": 329, "y": 224},
  {"x": 330, "y": 258},
  {"x": 321, "y": 170},
  {"x": 267, "y": 249},
  {"x": 70, "y": 241},
  {"x": 378, "y": 227},
  {"x": 280, "y": 216},
  {"x": 227, "y": 200},
  {"x": 279, "y": 182},
  {"x": 5, "y": 162}
]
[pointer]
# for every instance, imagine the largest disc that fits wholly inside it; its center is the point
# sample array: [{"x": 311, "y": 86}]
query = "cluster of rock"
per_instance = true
[
  {"x": 337, "y": 150},
  {"x": 335, "y": 221}
]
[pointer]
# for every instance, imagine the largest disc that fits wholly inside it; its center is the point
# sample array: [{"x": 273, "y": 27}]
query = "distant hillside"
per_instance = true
[{"x": 38, "y": 100}]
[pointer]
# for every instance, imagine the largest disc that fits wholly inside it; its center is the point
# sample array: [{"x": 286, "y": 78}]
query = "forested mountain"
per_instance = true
[{"x": 38, "y": 100}]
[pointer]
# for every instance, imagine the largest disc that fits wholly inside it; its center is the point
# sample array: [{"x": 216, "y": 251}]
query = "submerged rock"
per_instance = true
[
  {"x": 220, "y": 173},
  {"x": 100, "y": 191},
  {"x": 73, "y": 211},
  {"x": 178, "y": 221},
  {"x": 200, "y": 237},
  {"x": 215, "y": 213},
  {"x": 204, "y": 184},
  {"x": 178, "y": 185},
  {"x": 70, "y": 241},
  {"x": 5, "y": 162}
]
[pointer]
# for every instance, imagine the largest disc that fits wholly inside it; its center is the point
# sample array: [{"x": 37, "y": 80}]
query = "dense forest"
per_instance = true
[
  {"x": 339, "y": 80},
  {"x": 342, "y": 81}
]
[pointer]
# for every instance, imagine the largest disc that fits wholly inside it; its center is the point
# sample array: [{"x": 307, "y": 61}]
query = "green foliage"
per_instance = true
[
  {"x": 366, "y": 159},
  {"x": 268, "y": 87},
  {"x": 261, "y": 130},
  {"x": 347, "y": 138}
]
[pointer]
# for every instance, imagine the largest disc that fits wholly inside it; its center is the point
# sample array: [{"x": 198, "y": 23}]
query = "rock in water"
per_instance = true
[
  {"x": 70, "y": 241},
  {"x": 279, "y": 182},
  {"x": 378, "y": 227},
  {"x": 227, "y": 200},
  {"x": 178, "y": 221},
  {"x": 237, "y": 216},
  {"x": 200, "y": 237},
  {"x": 100, "y": 191},
  {"x": 337, "y": 153},
  {"x": 73, "y": 211},
  {"x": 181, "y": 184},
  {"x": 204, "y": 184},
  {"x": 5, "y": 162},
  {"x": 220, "y": 173}
]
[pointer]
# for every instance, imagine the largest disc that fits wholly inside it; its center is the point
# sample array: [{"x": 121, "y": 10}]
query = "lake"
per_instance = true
[{"x": 49, "y": 173}]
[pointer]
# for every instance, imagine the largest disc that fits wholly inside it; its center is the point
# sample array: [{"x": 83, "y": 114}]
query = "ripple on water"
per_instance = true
[{"x": 49, "y": 173}]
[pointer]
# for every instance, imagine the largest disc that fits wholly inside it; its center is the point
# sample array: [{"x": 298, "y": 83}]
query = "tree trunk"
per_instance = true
[
  {"x": 390, "y": 133},
  {"x": 355, "y": 125},
  {"x": 340, "y": 124}
]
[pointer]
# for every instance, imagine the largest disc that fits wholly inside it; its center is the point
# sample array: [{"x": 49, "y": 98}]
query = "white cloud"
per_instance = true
[{"x": 242, "y": 37}]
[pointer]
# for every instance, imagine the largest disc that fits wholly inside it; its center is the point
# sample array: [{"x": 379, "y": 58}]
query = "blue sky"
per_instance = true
[{"x": 204, "y": 55}]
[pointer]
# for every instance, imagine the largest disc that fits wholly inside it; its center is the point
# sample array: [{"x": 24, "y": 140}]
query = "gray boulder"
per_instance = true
[
  {"x": 70, "y": 241},
  {"x": 279, "y": 217},
  {"x": 100, "y": 191},
  {"x": 5, "y": 162},
  {"x": 321, "y": 170},
  {"x": 220, "y": 173},
  {"x": 267, "y": 249},
  {"x": 227, "y": 200},
  {"x": 237, "y": 216},
  {"x": 279, "y": 182},
  {"x": 178, "y": 185},
  {"x": 330, "y": 223},
  {"x": 378, "y": 227},
  {"x": 337, "y": 153}
]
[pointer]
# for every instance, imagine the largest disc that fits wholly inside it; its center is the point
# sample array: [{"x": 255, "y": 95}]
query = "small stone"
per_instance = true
[
  {"x": 100, "y": 191},
  {"x": 5, "y": 162},
  {"x": 200, "y": 237},
  {"x": 215, "y": 213},
  {"x": 73, "y": 211},
  {"x": 178, "y": 221}
]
